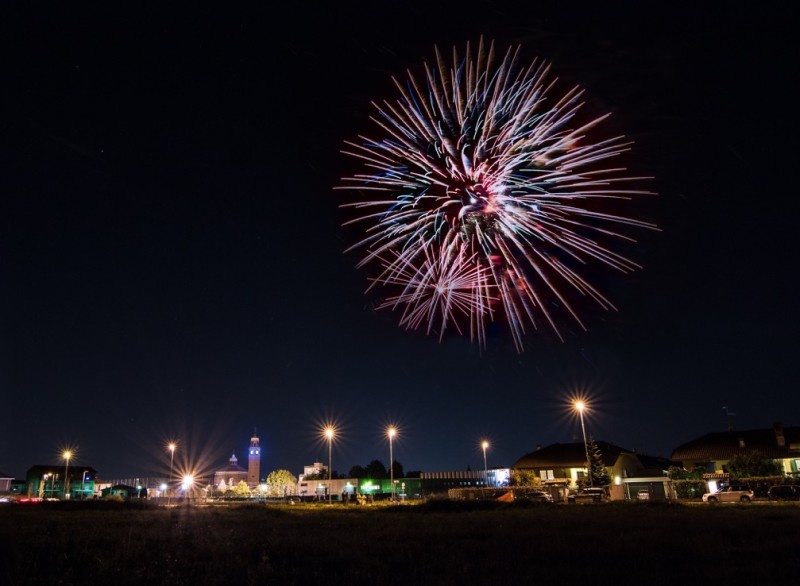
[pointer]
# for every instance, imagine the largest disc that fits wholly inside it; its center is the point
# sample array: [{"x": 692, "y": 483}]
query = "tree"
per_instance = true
[
  {"x": 281, "y": 483},
  {"x": 524, "y": 478},
  {"x": 357, "y": 472},
  {"x": 241, "y": 489},
  {"x": 752, "y": 463},
  {"x": 597, "y": 469},
  {"x": 376, "y": 469}
]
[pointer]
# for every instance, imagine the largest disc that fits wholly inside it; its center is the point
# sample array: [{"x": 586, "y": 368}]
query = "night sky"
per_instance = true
[{"x": 172, "y": 261}]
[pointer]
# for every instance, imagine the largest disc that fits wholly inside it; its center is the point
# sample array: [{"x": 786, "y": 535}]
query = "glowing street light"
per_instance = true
[
  {"x": 43, "y": 492},
  {"x": 171, "y": 448},
  {"x": 391, "y": 433},
  {"x": 329, "y": 434},
  {"x": 188, "y": 482},
  {"x": 67, "y": 455},
  {"x": 83, "y": 485},
  {"x": 581, "y": 406},
  {"x": 485, "y": 445}
]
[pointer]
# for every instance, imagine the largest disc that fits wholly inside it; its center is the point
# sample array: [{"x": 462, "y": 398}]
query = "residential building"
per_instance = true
[
  {"x": 5, "y": 482},
  {"x": 315, "y": 469},
  {"x": 48, "y": 482},
  {"x": 125, "y": 491},
  {"x": 561, "y": 466},
  {"x": 711, "y": 452}
]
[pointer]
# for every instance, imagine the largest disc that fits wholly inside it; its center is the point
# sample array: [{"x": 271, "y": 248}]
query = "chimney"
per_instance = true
[{"x": 778, "y": 427}]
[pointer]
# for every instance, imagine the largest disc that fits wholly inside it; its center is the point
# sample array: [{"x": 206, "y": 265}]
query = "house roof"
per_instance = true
[
  {"x": 655, "y": 462},
  {"x": 572, "y": 455},
  {"x": 723, "y": 445}
]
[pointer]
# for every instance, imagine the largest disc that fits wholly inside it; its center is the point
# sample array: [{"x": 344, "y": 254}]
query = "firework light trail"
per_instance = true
[{"x": 484, "y": 198}]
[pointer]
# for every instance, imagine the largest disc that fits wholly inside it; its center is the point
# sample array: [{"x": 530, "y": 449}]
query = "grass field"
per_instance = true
[{"x": 441, "y": 543}]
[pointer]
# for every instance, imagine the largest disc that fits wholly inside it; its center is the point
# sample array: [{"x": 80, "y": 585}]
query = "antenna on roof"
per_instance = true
[{"x": 729, "y": 414}]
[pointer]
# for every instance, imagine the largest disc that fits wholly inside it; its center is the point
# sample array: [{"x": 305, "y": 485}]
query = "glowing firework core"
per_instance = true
[{"x": 484, "y": 198}]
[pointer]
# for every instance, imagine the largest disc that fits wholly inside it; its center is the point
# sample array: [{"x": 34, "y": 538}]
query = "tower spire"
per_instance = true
[{"x": 254, "y": 461}]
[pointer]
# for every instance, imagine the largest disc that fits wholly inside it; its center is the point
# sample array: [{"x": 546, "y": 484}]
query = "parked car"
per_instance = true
[
  {"x": 588, "y": 495},
  {"x": 643, "y": 495},
  {"x": 784, "y": 492},
  {"x": 539, "y": 496},
  {"x": 731, "y": 494}
]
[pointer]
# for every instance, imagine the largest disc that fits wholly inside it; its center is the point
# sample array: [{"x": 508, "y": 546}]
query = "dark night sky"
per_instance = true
[{"x": 171, "y": 250}]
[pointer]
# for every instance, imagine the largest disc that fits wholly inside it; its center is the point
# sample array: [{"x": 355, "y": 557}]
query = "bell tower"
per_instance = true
[{"x": 254, "y": 462}]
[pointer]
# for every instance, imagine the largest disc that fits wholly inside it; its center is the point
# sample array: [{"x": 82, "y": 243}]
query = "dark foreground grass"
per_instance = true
[{"x": 438, "y": 543}]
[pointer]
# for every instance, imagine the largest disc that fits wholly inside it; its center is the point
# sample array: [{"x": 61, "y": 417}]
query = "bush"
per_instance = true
[
  {"x": 690, "y": 489},
  {"x": 762, "y": 484}
]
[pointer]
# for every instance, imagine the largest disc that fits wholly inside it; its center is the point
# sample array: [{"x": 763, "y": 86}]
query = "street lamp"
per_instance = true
[
  {"x": 485, "y": 445},
  {"x": 171, "y": 448},
  {"x": 580, "y": 406},
  {"x": 67, "y": 456},
  {"x": 329, "y": 435},
  {"x": 43, "y": 492},
  {"x": 83, "y": 483},
  {"x": 391, "y": 432}
]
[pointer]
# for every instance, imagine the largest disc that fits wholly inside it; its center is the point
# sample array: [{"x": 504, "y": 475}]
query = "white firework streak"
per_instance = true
[
  {"x": 477, "y": 166},
  {"x": 439, "y": 287}
]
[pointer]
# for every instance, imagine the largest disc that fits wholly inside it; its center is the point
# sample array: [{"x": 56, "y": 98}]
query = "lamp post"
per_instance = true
[
  {"x": 67, "y": 456},
  {"x": 580, "y": 406},
  {"x": 171, "y": 448},
  {"x": 83, "y": 485},
  {"x": 329, "y": 435},
  {"x": 485, "y": 445},
  {"x": 391, "y": 432}
]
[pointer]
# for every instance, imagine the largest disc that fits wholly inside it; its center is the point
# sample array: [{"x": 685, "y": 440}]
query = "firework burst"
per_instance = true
[{"x": 483, "y": 198}]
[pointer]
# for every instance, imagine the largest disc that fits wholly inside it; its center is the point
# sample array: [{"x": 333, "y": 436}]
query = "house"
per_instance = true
[
  {"x": 5, "y": 482},
  {"x": 713, "y": 451},
  {"x": 48, "y": 481},
  {"x": 124, "y": 491},
  {"x": 561, "y": 466}
]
